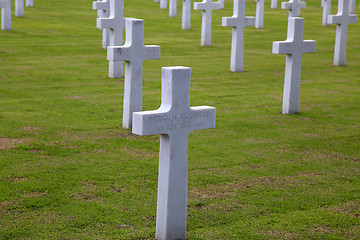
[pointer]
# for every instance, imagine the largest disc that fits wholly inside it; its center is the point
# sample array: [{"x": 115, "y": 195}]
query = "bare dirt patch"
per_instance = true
[
  {"x": 32, "y": 130},
  {"x": 351, "y": 208},
  {"x": 8, "y": 143}
]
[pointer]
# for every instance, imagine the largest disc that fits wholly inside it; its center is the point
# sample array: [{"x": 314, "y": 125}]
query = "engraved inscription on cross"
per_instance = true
[
  {"x": 342, "y": 19},
  {"x": 294, "y": 7},
  {"x": 238, "y": 21},
  {"x": 134, "y": 53},
  {"x": 207, "y": 6},
  {"x": 116, "y": 24},
  {"x": 174, "y": 121},
  {"x": 294, "y": 47},
  {"x": 103, "y": 9},
  {"x": 5, "y": 6}
]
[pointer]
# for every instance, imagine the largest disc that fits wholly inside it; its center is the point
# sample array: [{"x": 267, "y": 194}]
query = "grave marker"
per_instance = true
[
  {"x": 326, "y": 4},
  {"x": 238, "y": 21},
  {"x": 116, "y": 24},
  {"x": 29, "y": 3},
  {"x": 352, "y": 6},
  {"x": 174, "y": 121},
  {"x": 156, "y": 0},
  {"x": 134, "y": 53},
  {"x": 342, "y": 19},
  {"x": 163, "y": 4},
  {"x": 103, "y": 10},
  {"x": 186, "y": 15},
  {"x": 207, "y": 6},
  {"x": 259, "y": 17},
  {"x": 5, "y": 6},
  {"x": 273, "y": 3},
  {"x": 172, "y": 8},
  {"x": 293, "y": 47},
  {"x": 19, "y": 8},
  {"x": 294, "y": 7}
]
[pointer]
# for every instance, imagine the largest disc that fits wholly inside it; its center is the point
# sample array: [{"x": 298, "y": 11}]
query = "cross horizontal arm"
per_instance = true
[
  {"x": 101, "y": 6},
  {"x": 338, "y": 19}
]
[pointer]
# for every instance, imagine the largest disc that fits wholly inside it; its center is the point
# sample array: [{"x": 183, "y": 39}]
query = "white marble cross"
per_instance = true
[
  {"x": 134, "y": 53},
  {"x": 273, "y": 3},
  {"x": 238, "y": 21},
  {"x": 186, "y": 15},
  {"x": 172, "y": 8},
  {"x": 294, "y": 7},
  {"x": 326, "y": 4},
  {"x": 19, "y": 8},
  {"x": 294, "y": 47},
  {"x": 103, "y": 10},
  {"x": 207, "y": 6},
  {"x": 352, "y": 6},
  {"x": 163, "y": 4},
  {"x": 342, "y": 19},
  {"x": 29, "y": 3},
  {"x": 116, "y": 24},
  {"x": 5, "y": 6},
  {"x": 174, "y": 121},
  {"x": 259, "y": 17}
]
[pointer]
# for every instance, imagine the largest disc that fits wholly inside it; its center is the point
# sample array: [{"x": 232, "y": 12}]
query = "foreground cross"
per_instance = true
[
  {"x": 259, "y": 16},
  {"x": 186, "y": 15},
  {"x": 29, "y": 3},
  {"x": 19, "y": 8},
  {"x": 134, "y": 53},
  {"x": 294, "y": 6},
  {"x": 116, "y": 24},
  {"x": 238, "y": 21},
  {"x": 207, "y": 6},
  {"x": 273, "y": 3},
  {"x": 294, "y": 47},
  {"x": 342, "y": 19},
  {"x": 5, "y": 6},
  {"x": 326, "y": 4},
  {"x": 174, "y": 121},
  {"x": 103, "y": 9}
]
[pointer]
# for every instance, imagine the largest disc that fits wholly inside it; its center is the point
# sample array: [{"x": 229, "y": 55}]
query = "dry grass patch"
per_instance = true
[
  {"x": 140, "y": 153},
  {"x": 8, "y": 143},
  {"x": 351, "y": 208}
]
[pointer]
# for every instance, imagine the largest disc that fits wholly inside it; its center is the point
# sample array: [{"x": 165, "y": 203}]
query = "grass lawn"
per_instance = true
[{"x": 68, "y": 170}]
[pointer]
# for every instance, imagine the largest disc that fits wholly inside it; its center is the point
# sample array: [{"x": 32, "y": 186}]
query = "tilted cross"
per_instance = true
[
  {"x": 294, "y": 47},
  {"x": 174, "y": 121},
  {"x": 294, "y": 7},
  {"x": 5, "y": 6},
  {"x": 238, "y": 21},
  {"x": 134, "y": 53},
  {"x": 207, "y": 6},
  {"x": 116, "y": 24},
  {"x": 259, "y": 17},
  {"x": 103, "y": 9},
  {"x": 342, "y": 19}
]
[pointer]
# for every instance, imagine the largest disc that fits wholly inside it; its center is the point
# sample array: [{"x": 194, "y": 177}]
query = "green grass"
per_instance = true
[{"x": 69, "y": 171}]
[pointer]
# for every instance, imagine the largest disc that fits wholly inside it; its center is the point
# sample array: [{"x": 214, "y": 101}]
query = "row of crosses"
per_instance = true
[{"x": 175, "y": 119}]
